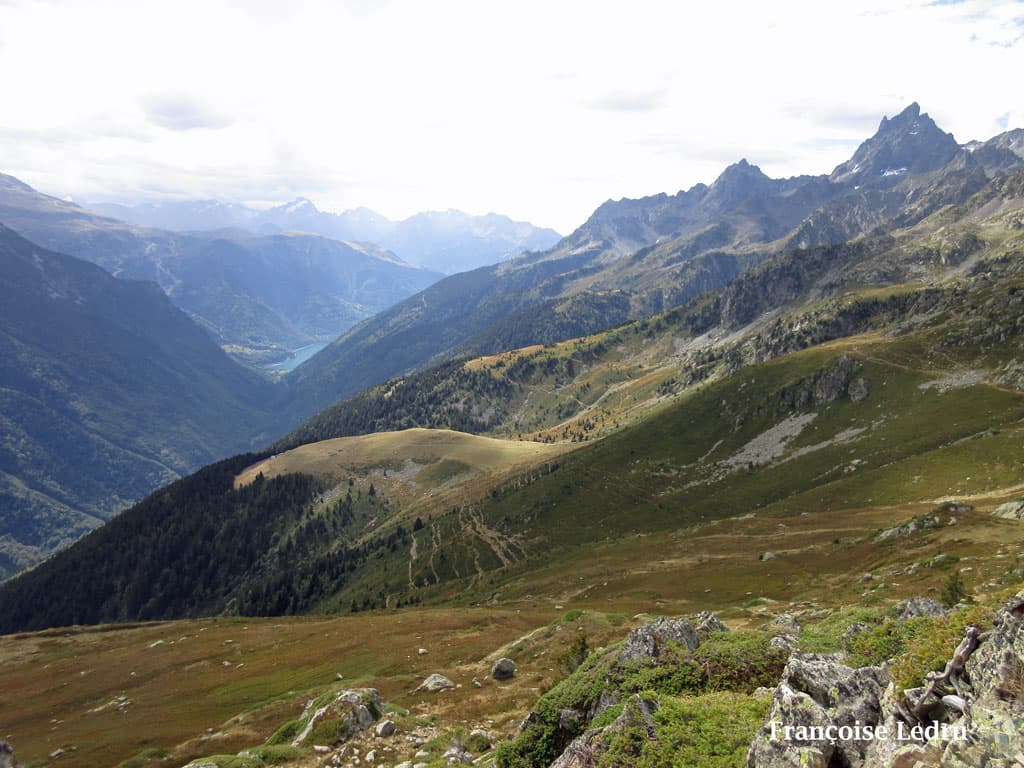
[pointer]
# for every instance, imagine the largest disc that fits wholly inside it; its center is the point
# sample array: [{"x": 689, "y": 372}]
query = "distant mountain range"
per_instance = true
[
  {"x": 442, "y": 241},
  {"x": 767, "y": 242},
  {"x": 107, "y": 391},
  {"x": 632, "y": 258},
  {"x": 260, "y": 297}
]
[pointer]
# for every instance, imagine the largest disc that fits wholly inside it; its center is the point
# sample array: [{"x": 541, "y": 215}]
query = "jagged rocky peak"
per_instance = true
[
  {"x": 739, "y": 171},
  {"x": 739, "y": 182},
  {"x": 910, "y": 142}
]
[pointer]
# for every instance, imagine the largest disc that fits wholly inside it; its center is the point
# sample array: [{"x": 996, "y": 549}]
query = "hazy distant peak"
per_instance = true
[
  {"x": 735, "y": 184},
  {"x": 302, "y": 204},
  {"x": 9, "y": 182},
  {"x": 739, "y": 171}
]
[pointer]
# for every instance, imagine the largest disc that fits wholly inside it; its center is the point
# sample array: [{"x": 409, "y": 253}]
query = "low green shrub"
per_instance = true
[
  {"x": 713, "y": 730},
  {"x": 285, "y": 733},
  {"x": 740, "y": 661}
]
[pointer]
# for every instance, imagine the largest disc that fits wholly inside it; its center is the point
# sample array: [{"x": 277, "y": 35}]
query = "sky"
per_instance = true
[{"x": 537, "y": 110}]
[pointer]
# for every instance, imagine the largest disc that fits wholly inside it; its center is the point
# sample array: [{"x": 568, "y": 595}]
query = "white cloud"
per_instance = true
[
  {"x": 537, "y": 110},
  {"x": 181, "y": 112}
]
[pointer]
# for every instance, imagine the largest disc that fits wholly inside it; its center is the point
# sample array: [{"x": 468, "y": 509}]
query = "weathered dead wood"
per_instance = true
[{"x": 953, "y": 676}]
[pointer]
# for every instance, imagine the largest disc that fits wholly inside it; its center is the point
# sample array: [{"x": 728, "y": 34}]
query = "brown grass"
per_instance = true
[{"x": 180, "y": 688}]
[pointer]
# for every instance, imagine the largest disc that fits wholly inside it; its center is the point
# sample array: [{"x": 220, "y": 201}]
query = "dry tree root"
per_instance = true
[{"x": 954, "y": 677}]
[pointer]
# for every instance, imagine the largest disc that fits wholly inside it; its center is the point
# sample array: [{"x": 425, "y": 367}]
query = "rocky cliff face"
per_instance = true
[{"x": 827, "y": 714}]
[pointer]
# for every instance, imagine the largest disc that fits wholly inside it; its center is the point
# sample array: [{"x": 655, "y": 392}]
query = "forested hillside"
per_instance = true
[{"x": 109, "y": 391}]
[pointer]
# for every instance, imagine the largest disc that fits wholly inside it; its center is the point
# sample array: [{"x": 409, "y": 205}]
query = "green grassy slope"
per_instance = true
[{"x": 723, "y": 451}]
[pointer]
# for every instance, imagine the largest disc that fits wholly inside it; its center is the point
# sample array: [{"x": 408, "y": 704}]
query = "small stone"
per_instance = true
[
  {"x": 859, "y": 389},
  {"x": 422, "y": 651},
  {"x": 480, "y": 733},
  {"x": 7, "y": 755},
  {"x": 503, "y": 669},
  {"x": 784, "y": 624},
  {"x": 385, "y": 728},
  {"x": 913, "y": 607},
  {"x": 364, "y": 716},
  {"x": 435, "y": 683},
  {"x": 706, "y": 623},
  {"x": 321, "y": 749}
]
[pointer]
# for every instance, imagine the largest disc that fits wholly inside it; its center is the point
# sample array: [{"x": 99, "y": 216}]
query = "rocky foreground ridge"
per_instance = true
[
  {"x": 825, "y": 713},
  {"x": 688, "y": 691},
  {"x": 689, "y": 680},
  {"x": 914, "y": 684},
  {"x": 972, "y": 714}
]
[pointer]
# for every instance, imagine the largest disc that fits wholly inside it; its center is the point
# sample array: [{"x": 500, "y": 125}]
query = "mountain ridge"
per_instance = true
[
  {"x": 260, "y": 296},
  {"x": 445, "y": 241}
]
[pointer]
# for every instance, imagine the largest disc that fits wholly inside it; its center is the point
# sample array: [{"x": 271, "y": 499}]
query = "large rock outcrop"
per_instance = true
[
  {"x": 996, "y": 673},
  {"x": 969, "y": 716},
  {"x": 340, "y": 717},
  {"x": 586, "y": 750},
  {"x": 817, "y": 701},
  {"x": 580, "y": 746},
  {"x": 913, "y": 607},
  {"x": 647, "y": 642}
]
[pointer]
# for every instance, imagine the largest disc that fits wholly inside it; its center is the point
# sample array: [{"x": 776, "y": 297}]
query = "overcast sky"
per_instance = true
[{"x": 539, "y": 110}]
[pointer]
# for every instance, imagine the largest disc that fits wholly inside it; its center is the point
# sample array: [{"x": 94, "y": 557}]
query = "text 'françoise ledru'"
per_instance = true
[{"x": 833, "y": 734}]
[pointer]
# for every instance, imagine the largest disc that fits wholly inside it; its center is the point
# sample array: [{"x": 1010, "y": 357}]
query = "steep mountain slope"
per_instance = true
[
  {"x": 583, "y": 388},
  {"x": 835, "y": 393},
  {"x": 259, "y": 296},
  {"x": 796, "y": 435},
  {"x": 443, "y": 241},
  {"x": 108, "y": 392},
  {"x": 633, "y": 258}
]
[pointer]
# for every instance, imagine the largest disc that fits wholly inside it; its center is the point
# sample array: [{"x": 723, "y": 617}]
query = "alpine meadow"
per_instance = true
[{"x": 726, "y": 477}]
